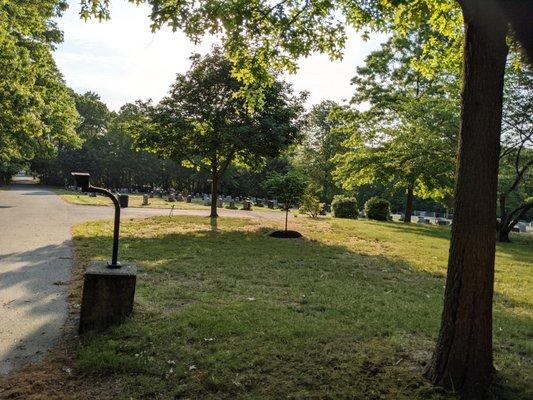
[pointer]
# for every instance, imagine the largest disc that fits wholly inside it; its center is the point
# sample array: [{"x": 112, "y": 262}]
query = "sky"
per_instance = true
[{"x": 123, "y": 61}]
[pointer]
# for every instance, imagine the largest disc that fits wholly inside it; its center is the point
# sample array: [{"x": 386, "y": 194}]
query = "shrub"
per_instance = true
[
  {"x": 311, "y": 206},
  {"x": 344, "y": 207},
  {"x": 377, "y": 208}
]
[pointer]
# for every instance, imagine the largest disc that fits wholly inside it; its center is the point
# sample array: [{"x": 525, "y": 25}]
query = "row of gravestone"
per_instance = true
[{"x": 247, "y": 203}]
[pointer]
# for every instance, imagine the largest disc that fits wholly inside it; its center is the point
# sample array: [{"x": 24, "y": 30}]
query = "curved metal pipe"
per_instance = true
[{"x": 114, "y": 260}]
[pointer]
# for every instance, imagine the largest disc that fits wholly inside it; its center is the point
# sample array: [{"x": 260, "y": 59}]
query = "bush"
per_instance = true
[
  {"x": 311, "y": 206},
  {"x": 377, "y": 208},
  {"x": 344, "y": 207}
]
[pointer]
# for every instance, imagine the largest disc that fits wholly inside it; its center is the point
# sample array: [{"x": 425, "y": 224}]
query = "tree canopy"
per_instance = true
[
  {"x": 288, "y": 188},
  {"x": 36, "y": 109},
  {"x": 321, "y": 143},
  {"x": 408, "y": 135},
  {"x": 205, "y": 125}
]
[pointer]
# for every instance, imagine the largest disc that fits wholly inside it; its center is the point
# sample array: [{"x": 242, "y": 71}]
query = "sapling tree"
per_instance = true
[{"x": 288, "y": 189}]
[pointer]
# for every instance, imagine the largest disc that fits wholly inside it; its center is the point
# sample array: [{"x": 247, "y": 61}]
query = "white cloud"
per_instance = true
[{"x": 122, "y": 60}]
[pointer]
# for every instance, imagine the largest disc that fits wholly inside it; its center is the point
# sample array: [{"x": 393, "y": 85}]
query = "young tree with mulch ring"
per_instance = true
[{"x": 289, "y": 190}]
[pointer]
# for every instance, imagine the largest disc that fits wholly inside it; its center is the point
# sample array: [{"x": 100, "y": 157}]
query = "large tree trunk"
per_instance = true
[
  {"x": 409, "y": 205},
  {"x": 462, "y": 360}
]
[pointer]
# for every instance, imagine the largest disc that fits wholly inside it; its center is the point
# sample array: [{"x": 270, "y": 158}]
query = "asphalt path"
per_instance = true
[{"x": 36, "y": 261}]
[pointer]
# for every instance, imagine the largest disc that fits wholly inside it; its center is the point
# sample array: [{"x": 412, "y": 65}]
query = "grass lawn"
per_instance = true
[
  {"x": 135, "y": 200},
  {"x": 351, "y": 311}
]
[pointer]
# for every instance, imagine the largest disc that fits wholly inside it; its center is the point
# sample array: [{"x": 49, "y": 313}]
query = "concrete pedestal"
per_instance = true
[{"x": 107, "y": 296}]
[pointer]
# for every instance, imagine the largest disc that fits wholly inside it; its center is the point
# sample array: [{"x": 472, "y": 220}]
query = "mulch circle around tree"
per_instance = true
[{"x": 286, "y": 234}]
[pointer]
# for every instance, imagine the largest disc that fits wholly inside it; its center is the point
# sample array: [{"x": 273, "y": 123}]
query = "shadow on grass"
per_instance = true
[
  {"x": 233, "y": 313},
  {"x": 519, "y": 248}
]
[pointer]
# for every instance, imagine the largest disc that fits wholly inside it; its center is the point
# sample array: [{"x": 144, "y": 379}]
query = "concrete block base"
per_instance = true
[{"x": 107, "y": 296}]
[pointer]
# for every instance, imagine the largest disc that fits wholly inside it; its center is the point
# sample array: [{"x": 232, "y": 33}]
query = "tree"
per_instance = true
[
  {"x": 94, "y": 115},
  {"x": 36, "y": 109},
  {"x": 515, "y": 184},
  {"x": 408, "y": 135},
  {"x": 203, "y": 123},
  {"x": 107, "y": 152},
  {"x": 463, "y": 356},
  {"x": 55, "y": 166},
  {"x": 288, "y": 189},
  {"x": 322, "y": 142},
  {"x": 259, "y": 35}
]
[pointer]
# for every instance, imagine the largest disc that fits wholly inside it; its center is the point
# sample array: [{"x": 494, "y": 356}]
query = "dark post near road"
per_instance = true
[
  {"x": 83, "y": 181},
  {"x": 108, "y": 290}
]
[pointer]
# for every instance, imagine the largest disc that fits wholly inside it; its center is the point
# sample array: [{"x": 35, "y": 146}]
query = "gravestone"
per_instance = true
[
  {"x": 189, "y": 198},
  {"x": 145, "y": 199},
  {"x": 232, "y": 204},
  {"x": 179, "y": 197},
  {"x": 171, "y": 198},
  {"x": 220, "y": 202},
  {"x": 270, "y": 204},
  {"x": 522, "y": 226},
  {"x": 247, "y": 205}
]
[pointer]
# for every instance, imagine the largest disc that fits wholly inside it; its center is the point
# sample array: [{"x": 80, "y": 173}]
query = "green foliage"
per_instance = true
[
  {"x": 94, "y": 115},
  {"x": 107, "y": 152},
  {"x": 287, "y": 189},
  {"x": 344, "y": 207},
  {"x": 408, "y": 136},
  {"x": 311, "y": 205},
  {"x": 377, "y": 208},
  {"x": 515, "y": 179},
  {"x": 37, "y": 111},
  {"x": 261, "y": 36},
  {"x": 203, "y": 123},
  {"x": 322, "y": 142}
]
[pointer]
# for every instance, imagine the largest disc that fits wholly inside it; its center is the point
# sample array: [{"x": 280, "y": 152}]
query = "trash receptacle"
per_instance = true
[{"x": 123, "y": 200}]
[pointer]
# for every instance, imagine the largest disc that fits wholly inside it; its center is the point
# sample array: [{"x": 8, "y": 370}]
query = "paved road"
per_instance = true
[{"x": 35, "y": 262}]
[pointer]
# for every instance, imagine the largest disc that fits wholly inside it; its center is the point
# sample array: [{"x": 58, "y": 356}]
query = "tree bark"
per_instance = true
[
  {"x": 462, "y": 360},
  {"x": 214, "y": 191},
  {"x": 503, "y": 235},
  {"x": 508, "y": 222},
  {"x": 409, "y": 205}
]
